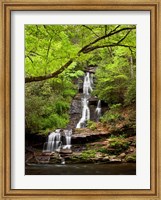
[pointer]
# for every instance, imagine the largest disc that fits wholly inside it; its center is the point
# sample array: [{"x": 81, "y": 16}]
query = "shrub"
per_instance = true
[
  {"x": 115, "y": 107},
  {"x": 88, "y": 154},
  {"x": 119, "y": 143},
  {"x": 130, "y": 95},
  {"x": 112, "y": 115},
  {"x": 103, "y": 150}
]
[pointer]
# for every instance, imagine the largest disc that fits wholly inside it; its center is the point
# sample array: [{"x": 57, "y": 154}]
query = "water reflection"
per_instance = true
[{"x": 81, "y": 169}]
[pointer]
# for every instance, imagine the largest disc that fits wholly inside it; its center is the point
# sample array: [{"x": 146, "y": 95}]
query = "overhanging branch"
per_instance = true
[
  {"x": 54, "y": 74},
  {"x": 86, "y": 49},
  {"x": 106, "y": 46}
]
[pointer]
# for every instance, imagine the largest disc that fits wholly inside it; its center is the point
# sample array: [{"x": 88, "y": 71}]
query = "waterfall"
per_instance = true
[
  {"x": 68, "y": 135},
  {"x": 87, "y": 85},
  {"x": 55, "y": 141},
  {"x": 98, "y": 110},
  {"x": 87, "y": 89}
]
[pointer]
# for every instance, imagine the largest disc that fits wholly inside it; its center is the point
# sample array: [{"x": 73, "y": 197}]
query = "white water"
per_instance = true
[
  {"x": 87, "y": 84},
  {"x": 87, "y": 89},
  {"x": 68, "y": 135},
  {"x": 55, "y": 143},
  {"x": 98, "y": 110}
]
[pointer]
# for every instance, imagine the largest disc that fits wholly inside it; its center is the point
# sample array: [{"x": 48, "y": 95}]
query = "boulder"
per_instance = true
[
  {"x": 106, "y": 158},
  {"x": 122, "y": 155},
  {"x": 115, "y": 160},
  {"x": 65, "y": 151}
]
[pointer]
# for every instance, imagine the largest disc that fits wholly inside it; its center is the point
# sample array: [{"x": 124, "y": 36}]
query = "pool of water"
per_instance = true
[{"x": 81, "y": 169}]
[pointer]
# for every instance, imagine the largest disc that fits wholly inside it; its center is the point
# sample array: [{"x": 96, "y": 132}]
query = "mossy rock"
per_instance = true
[{"x": 131, "y": 158}]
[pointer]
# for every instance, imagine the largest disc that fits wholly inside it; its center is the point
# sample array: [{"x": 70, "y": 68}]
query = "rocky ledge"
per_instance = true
[{"x": 110, "y": 150}]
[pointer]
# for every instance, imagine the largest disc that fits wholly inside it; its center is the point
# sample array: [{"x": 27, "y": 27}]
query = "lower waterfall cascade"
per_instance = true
[{"x": 55, "y": 142}]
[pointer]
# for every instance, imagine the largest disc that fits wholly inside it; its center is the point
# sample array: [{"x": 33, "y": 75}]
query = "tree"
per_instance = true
[
  {"x": 51, "y": 49},
  {"x": 56, "y": 55},
  {"x": 116, "y": 77}
]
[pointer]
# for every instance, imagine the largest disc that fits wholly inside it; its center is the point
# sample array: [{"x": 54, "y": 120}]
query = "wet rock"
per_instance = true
[
  {"x": 76, "y": 107},
  {"x": 91, "y": 68},
  {"x": 42, "y": 159},
  {"x": 98, "y": 155},
  {"x": 87, "y": 137},
  {"x": 34, "y": 141},
  {"x": 29, "y": 156},
  {"x": 47, "y": 153},
  {"x": 65, "y": 151},
  {"x": 75, "y": 113},
  {"x": 106, "y": 158},
  {"x": 112, "y": 157},
  {"x": 93, "y": 101},
  {"x": 122, "y": 155},
  {"x": 130, "y": 158},
  {"x": 115, "y": 160}
]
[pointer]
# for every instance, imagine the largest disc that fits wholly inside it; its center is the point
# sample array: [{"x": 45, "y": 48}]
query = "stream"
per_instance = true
[{"x": 81, "y": 169}]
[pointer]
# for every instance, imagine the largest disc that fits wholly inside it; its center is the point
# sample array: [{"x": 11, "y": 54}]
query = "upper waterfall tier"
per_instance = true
[
  {"x": 87, "y": 85},
  {"x": 87, "y": 89}
]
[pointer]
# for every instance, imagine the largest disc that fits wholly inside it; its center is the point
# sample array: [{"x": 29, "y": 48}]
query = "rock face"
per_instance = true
[
  {"x": 85, "y": 138},
  {"x": 76, "y": 105},
  {"x": 75, "y": 112},
  {"x": 86, "y": 151},
  {"x": 35, "y": 140}
]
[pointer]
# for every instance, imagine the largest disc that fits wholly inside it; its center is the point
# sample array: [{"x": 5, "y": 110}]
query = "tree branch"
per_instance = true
[
  {"x": 54, "y": 74},
  {"x": 89, "y": 49},
  {"x": 124, "y": 36},
  {"x": 49, "y": 45},
  {"x": 91, "y": 30},
  {"x": 115, "y": 28},
  {"x": 103, "y": 37},
  {"x": 105, "y": 46},
  {"x": 86, "y": 49},
  {"x": 29, "y": 58}
]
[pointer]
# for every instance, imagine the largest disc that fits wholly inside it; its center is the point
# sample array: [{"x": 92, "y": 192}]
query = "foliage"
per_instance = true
[
  {"x": 56, "y": 55},
  {"x": 119, "y": 143},
  {"x": 47, "y": 105},
  {"x": 123, "y": 135},
  {"x": 112, "y": 115},
  {"x": 116, "y": 79},
  {"x": 91, "y": 125},
  {"x": 52, "y": 49},
  {"x": 130, "y": 95},
  {"x": 103, "y": 150},
  {"x": 131, "y": 157},
  {"x": 88, "y": 154}
]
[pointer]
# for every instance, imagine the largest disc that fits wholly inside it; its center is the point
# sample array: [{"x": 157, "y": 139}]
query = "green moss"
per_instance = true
[
  {"x": 91, "y": 125},
  {"x": 103, "y": 150},
  {"x": 130, "y": 158},
  {"x": 88, "y": 154},
  {"x": 119, "y": 143}
]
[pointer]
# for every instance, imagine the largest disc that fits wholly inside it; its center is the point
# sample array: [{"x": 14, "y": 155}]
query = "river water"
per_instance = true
[{"x": 81, "y": 169}]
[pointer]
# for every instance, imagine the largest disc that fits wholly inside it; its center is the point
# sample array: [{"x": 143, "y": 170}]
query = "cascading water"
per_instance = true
[
  {"x": 68, "y": 135},
  {"x": 87, "y": 89},
  {"x": 55, "y": 141},
  {"x": 98, "y": 110},
  {"x": 87, "y": 85}
]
